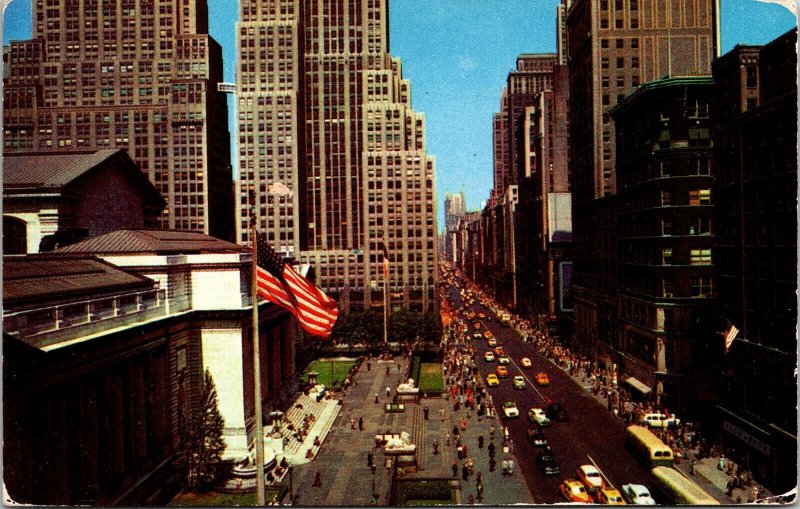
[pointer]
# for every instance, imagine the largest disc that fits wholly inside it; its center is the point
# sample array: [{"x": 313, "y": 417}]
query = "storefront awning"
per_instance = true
[{"x": 639, "y": 386}]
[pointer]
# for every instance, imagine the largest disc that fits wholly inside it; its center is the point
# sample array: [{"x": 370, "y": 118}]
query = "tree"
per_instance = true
[{"x": 205, "y": 445}]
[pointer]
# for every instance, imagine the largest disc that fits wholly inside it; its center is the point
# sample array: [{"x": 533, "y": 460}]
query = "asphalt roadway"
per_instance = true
[{"x": 591, "y": 435}]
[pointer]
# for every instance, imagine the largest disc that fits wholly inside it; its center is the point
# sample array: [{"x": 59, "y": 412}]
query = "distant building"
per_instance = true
[
  {"x": 665, "y": 242},
  {"x": 454, "y": 210},
  {"x": 138, "y": 76},
  {"x": 755, "y": 137},
  {"x": 114, "y": 341},
  {"x": 332, "y": 150},
  {"x": 50, "y": 200},
  {"x": 613, "y": 46}
]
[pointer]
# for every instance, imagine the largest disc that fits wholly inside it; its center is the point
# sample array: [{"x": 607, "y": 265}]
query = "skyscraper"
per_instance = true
[
  {"x": 454, "y": 210},
  {"x": 140, "y": 75},
  {"x": 613, "y": 46},
  {"x": 331, "y": 149}
]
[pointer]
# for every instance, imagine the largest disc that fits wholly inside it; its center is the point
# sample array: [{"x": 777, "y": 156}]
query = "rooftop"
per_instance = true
[{"x": 142, "y": 241}]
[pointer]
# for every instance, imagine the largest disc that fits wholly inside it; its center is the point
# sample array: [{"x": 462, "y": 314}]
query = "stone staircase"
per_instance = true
[{"x": 324, "y": 411}]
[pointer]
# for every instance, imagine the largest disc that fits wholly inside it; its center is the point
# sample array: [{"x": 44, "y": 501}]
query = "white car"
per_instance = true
[
  {"x": 510, "y": 410},
  {"x": 658, "y": 420},
  {"x": 519, "y": 382},
  {"x": 525, "y": 363},
  {"x": 637, "y": 494},
  {"x": 488, "y": 357},
  {"x": 537, "y": 415},
  {"x": 590, "y": 477},
  {"x": 504, "y": 359}
]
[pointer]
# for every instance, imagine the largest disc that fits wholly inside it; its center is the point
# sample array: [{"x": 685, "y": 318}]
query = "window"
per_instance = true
[
  {"x": 620, "y": 43},
  {"x": 703, "y": 166},
  {"x": 700, "y": 197},
  {"x": 666, "y": 256},
  {"x": 666, "y": 285},
  {"x": 620, "y": 62},
  {"x": 666, "y": 198},
  {"x": 666, "y": 227},
  {"x": 700, "y": 257},
  {"x": 635, "y": 40},
  {"x": 666, "y": 168},
  {"x": 700, "y": 226},
  {"x": 701, "y": 286},
  {"x": 634, "y": 60},
  {"x": 604, "y": 43}
]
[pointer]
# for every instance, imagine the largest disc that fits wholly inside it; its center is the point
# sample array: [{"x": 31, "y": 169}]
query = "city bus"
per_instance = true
[
  {"x": 675, "y": 488},
  {"x": 648, "y": 447}
]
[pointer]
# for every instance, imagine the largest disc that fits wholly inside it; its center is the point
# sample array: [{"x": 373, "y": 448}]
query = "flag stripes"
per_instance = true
[
  {"x": 730, "y": 335},
  {"x": 281, "y": 284}
]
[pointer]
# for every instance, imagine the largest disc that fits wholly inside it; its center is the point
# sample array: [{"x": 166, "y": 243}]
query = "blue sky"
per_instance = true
[{"x": 457, "y": 54}]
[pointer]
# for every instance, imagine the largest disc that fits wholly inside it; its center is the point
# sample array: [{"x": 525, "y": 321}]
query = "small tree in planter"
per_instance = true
[{"x": 205, "y": 445}]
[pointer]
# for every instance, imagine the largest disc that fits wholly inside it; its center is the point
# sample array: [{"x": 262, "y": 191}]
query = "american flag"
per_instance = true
[
  {"x": 279, "y": 283},
  {"x": 730, "y": 335},
  {"x": 382, "y": 247}
]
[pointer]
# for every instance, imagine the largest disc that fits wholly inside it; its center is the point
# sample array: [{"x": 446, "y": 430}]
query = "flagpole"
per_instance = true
[
  {"x": 259, "y": 438},
  {"x": 386, "y": 310}
]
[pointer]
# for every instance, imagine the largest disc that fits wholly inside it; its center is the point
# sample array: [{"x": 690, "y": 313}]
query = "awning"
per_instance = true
[{"x": 636, "y": 384}]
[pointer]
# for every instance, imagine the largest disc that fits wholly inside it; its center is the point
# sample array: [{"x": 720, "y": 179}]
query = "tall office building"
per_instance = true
[
  {"x": 140, "y": 75},
  {"x": 613, "y": 46},
  {"x": 454, "y": 210},
  {"x": 755, "y": 138},
  {"x": 331, "y": 150}
]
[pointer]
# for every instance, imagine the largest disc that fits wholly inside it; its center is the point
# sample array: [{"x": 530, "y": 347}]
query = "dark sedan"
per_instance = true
[
  {"x": 556, "y": 412},
  {"x": 536, "y": 436},
  {"x": 547, "y": 463}
]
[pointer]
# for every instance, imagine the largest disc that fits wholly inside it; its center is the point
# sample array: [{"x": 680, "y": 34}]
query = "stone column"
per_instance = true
[{"x": 274, "y": 361}]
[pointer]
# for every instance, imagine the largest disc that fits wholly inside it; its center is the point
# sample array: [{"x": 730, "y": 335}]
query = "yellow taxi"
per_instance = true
[
  {"x": 502, "y": 371},
  {"x": 609, "y": 496},
  {"x": 542, "y": 379},
  {"x": 492, "y": 380},
  {"x": 574, "y": 491}
]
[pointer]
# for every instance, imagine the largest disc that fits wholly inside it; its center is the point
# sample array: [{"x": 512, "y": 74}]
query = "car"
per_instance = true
[
  {"x": 499, "y": 350},
  {"x": 477, "y": 335},
  {"x": 519, "y": 382},
  {"x": 574, "y": 491},
  {"x": 488, "y": 334},
  {"x": 591, "y": 478},
  {"x": 609, "y": 496},
  {"x": 659, "y": 420},
  {"x": 637, "y": 494},
  {"x": 547, "y": 463},
  {"x": 492, "y": 380},
  {"x": 477, "y": 325},
  {"x": 542, "y": 379},
  {"x": 502, "y": 371},
  {"x": 491, "y": 342},
  {"x": 488, "y": 357},
  {"x": 510, "y": 410},
  {"x": 556, "y": 412},
  {"x": 481, "y": 315},
  {"x": 537, "y": 415},
  {"x": 525, "y": 362},
  {"x": 503, "y": 359},
  {"x": 536, "y": 436}
]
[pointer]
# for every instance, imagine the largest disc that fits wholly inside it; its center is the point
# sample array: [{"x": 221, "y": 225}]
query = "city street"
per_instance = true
[{"x": 591, "y": 431}]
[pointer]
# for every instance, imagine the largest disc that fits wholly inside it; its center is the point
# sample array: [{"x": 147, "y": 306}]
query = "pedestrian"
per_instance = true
[
  {"x": 465, "y": 473},
  {"x": 492, "y": 463},
  {"x": 370, "y": 458},
  {"x": 455, "y": 430},
  {"x": 480, "y": 441},
  {"x": 388, "y": 392},
  {"x": 435, "y": 446},
  {"x": 361, "y": 424},
  {"x": 491, "y": 432},
  {"x": 441, "y": 414},
  {"x": 463, "y": 424},
  {"x": 504, "y": 465},
  {"x": 376, "y": 398},
  {"x": 387, "y": 370},
  {"x": 425, "y": 412},
  {"x": 470, "y": 499},
  {"x": 317, "y": 480},
  {"x": 753, "y": 494},
  {"x": 352, "y": 423},
  {"x": 369, "y": 366},
  {"x": 491, "y": 449},
  {"x": 480, "y": 492},
  {"x": 479, "y": 478},
  {"x": 455, "y": 469}
]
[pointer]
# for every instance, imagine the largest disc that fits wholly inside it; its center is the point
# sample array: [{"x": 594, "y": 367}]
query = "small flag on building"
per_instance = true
[
  {"x": 385, "y": 260},
  {"x": 730, "y": 335},
  {"x": 279, "y": 283}
]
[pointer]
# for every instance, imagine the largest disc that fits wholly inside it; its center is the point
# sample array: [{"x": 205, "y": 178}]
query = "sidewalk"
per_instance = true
[{"x": 345, "y": 478}]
